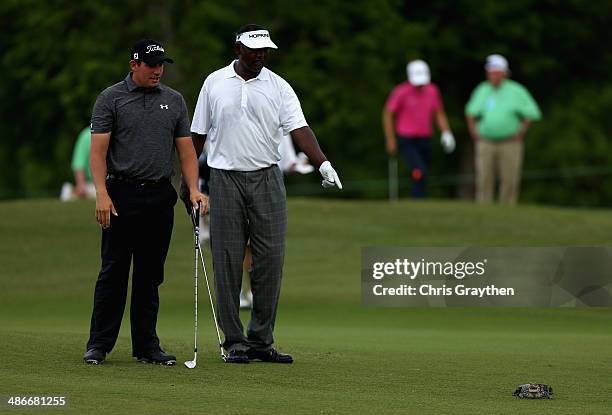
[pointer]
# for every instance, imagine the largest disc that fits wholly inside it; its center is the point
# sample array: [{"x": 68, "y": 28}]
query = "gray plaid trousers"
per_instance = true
[{"x": 248, "y": 206}]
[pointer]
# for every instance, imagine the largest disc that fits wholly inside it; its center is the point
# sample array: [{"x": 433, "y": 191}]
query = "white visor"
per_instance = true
[{"x": 257, "y": 39}]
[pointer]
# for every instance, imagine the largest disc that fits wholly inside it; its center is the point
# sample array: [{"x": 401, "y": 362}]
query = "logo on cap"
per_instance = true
[{"x": 153, "y": 48}]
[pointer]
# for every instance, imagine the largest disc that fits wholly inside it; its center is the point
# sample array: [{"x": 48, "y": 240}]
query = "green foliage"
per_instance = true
[{"x": 342, "y": 58}]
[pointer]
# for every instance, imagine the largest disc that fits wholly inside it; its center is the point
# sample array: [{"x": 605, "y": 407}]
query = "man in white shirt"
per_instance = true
[{"x": 243, "y": 110}]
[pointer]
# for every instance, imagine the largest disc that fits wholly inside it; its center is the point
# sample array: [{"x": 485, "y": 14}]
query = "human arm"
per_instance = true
[
  {"x": 97, "y": 161},
  {"x": 441, "y": 120},
  {"x": 80, "y": 182},
  {"x": 528, "y": 111},
  {"x": 189, "y": 167},
  {"x": 80, "y": 162},
  {"x": 305, "y": 138},
  {"x": 389, "y": 130},
  {"x": 198, "y": 141},
  {"x": 471, "y": 123},
  {"x": 447, "y": 139},
  {"x": 294, "y": 123},
  {"x": 520, "y": 134},
  {"x": 474, "y": 109}
]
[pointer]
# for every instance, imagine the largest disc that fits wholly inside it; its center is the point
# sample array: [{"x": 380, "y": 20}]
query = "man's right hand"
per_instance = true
[
  {"x": 330, "y": 177},
  {"x": 104, "y": 208}
]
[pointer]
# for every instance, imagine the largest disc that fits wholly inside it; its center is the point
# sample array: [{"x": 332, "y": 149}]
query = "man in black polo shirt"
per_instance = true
[{"x": 135, "y": 126}]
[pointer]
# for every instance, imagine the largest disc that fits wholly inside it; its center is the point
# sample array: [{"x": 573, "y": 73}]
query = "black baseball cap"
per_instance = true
[{"x": 149, "y": 51}]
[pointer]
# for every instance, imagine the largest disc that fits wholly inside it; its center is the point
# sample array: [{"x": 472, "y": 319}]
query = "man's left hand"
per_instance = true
[{"x": 330, "y": 177}]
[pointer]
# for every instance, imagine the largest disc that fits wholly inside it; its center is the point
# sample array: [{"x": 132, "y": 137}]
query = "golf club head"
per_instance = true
[{"x": 190, "y": 364}]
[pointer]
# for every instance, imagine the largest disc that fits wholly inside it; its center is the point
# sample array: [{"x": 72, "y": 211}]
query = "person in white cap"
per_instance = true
[
  {"x": 498, "y": 115},
  {"x": 407, "y": 123},
  {"x": 243, "y": 110}
]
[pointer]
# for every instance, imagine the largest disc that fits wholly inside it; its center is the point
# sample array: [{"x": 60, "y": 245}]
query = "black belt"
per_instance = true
[{"x": 140, "y": 182}]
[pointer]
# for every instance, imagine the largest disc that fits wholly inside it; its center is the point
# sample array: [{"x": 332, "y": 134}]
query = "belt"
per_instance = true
[{"x": 140, "y": 182}]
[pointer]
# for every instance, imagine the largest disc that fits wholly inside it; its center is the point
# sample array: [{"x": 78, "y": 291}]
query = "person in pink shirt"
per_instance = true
[{"x": 407, "y": 118}]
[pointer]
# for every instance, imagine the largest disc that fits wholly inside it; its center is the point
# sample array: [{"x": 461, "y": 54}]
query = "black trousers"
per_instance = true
[
  {"x": 417, "y": 153},
  {"x": 139, "y": 236}
]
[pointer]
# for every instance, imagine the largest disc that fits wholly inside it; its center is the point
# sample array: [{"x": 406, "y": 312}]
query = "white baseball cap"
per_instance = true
[
  {"x": 497, "y": 63},
  {"x": 256, "y": 39},
  {"x": 418, "y": 73}
]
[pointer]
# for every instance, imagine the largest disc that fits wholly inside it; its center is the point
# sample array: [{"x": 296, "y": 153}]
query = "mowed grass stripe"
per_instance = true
[{"x": 349, "y": 359}]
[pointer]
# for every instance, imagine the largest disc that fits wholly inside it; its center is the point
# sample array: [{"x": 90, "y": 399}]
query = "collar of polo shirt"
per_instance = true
[
  {"x": 131, "y": 85},
  {"x": 256, "y": 39},
  {"x": 230, "y": 72}
]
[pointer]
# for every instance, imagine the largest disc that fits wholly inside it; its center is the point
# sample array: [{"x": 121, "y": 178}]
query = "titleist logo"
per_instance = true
[{"x": 153, "y": 48}]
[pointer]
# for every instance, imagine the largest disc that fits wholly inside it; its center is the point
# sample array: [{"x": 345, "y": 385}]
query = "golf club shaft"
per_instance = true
[
  {"x": 197, "y": 251},
  {"x": 212, "y": 305}
]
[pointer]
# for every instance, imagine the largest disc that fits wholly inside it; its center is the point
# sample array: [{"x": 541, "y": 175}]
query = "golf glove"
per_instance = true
[
  {"x": 330, "y": 177},
  {"x": 448, "y": 142}
]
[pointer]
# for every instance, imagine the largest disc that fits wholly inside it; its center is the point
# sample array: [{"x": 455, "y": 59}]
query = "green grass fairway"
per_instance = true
[{"x": 348, "y": 359}]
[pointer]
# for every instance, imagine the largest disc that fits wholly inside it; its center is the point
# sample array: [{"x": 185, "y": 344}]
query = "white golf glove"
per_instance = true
[
  {"x": 330, "y": 177},
  {"x": 448, "y": 142}
]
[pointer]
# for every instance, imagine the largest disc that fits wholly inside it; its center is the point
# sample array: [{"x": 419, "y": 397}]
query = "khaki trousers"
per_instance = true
[{"x": 501, "y": 159}]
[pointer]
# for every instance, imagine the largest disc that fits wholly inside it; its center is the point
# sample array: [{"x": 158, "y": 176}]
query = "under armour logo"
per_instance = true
[{"x": 164, "y": 107}]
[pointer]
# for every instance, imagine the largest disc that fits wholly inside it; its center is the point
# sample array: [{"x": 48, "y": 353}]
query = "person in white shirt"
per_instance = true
[{"x": 242, "y": 111}]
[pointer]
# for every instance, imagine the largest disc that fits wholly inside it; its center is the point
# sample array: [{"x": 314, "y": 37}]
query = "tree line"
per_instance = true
[{"x": 342, "y": 58}]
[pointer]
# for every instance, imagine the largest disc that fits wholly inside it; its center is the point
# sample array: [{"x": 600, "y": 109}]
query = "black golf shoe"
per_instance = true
[
  {"x": 158, "y": 357},
  {"x": 94, "y": 356},
  {"x": 270, "y": 356},
  {"x": 236, "y": 356}
]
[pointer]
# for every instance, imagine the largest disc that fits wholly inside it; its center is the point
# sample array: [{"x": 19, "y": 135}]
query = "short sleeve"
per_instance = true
[
  {"x": 80, "y": 155},
  {"x": 394, "y": 101},
  {"x": 103, "y": 115},
  {"x": 475, "y": 105},
  {"x": 528, "y": 108},
  {"x": 182, "y": 124},
  {"x": 436, "y": 99},
  {"x": 201, "y": 116},
  {"x": 291, "y": 115}
]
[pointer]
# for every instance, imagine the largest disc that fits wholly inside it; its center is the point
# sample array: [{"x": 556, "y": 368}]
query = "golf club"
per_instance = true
[
  {"x": 195, "y": 218},
  {"x": 212, "y": 305},
  {"x": 196, "y": 233}
]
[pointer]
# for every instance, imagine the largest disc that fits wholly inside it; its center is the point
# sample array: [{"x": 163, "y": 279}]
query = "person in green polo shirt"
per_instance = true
[
  {"x": 498, "y": 115},
  {"x": 83, "y": 185}
]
